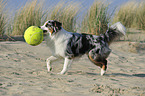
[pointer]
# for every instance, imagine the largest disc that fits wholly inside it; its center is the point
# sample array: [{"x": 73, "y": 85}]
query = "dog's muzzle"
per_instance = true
[{"x": 44, "y": 31}]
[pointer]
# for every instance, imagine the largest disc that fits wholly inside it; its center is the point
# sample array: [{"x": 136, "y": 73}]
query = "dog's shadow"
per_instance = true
[
  {"x": 119, "y": 74},
  {"x": 126, "y": 75},
  {"x": 88, "y": 73},
  {"x": 139, "y": 75},
  {"x": 109, "y": 75}
]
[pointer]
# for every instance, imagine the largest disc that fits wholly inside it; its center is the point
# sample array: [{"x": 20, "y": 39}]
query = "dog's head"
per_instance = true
[{"x": 51, "y": 26}]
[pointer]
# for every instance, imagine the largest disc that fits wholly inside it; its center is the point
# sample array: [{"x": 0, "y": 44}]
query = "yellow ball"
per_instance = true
[{"x": 33, "y": 35}]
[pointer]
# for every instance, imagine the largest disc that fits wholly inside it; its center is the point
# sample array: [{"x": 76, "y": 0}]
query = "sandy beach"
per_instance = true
[{"x": 23, "y": 72}]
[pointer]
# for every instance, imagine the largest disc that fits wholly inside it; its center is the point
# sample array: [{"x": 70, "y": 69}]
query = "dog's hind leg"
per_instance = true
[
  {"x": 101, "y": 63},
  {"x": 67, "y": 63},
  {"x": 104, "y": 67},
  {"x": 49, "y": 61}
]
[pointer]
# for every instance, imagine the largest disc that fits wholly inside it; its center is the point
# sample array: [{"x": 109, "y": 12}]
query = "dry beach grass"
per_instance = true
[
  {"x": 3, "y": 19},
  {"x": 97, "y": 18},
  {"x": 66, "y": 13},
  {"x": 131, "y": 14},
  {"x": 28, "y": 15}
]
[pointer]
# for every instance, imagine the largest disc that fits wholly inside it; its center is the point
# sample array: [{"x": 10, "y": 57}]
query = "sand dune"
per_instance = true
[{"x": 23, "y": 72}]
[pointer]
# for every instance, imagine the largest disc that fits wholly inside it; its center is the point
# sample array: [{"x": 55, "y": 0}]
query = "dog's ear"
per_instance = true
[{"x": 57, "y": 26}]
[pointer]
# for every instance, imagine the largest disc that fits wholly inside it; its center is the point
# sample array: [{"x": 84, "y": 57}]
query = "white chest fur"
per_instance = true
[{"x": 58, "y": 42}]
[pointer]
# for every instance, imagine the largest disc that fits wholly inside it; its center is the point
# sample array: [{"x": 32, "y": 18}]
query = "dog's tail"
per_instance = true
[{"x": 115, "y": 31}]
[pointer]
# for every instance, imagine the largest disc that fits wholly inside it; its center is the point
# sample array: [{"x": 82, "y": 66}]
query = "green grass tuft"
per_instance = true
[
  {"x": 141, "y": 16},
  {"x": 3, "y": 18},
  {"x": 66, "y": 13},
  {"x": 30, "y": 14},
  {"x": 97, "y": 18},
  {"x": 131, "y": 14}
]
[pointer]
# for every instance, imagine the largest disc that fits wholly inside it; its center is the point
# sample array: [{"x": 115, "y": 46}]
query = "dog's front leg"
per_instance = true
[
  {"x": 67, "y": 63},
  {"x": 49, "y": 61}
]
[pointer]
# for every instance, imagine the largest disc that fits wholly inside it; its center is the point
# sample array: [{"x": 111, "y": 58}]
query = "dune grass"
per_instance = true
[
  {"x": 131, "y": 14},
  {"x": 97, "y": 18},
  {"x": 66, "y": 13},
  {"x": 141, "y": 16},
  {"x": 127, "y": 14},
  {"x": 3, "y": 19},
  {"x": 29, "y": 14}
]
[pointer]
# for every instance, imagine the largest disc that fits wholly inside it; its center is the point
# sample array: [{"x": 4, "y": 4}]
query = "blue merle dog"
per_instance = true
[{"x": 68, "y": 45}]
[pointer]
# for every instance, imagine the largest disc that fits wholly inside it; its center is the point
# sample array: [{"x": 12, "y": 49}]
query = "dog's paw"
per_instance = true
[
  {"x": 102, "y": 72},
  {"x": 61, "y": 73},
  {"x": 49, "y": 69}
]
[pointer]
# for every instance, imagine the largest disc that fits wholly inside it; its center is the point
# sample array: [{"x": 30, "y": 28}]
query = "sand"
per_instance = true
[{"x": 23, "y": 72}]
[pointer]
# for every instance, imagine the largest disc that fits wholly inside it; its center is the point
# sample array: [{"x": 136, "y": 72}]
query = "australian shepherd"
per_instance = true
[{"x": 68, "y": 45}]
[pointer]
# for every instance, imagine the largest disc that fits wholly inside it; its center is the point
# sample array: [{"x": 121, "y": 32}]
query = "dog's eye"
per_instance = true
[{"x": 47, "y": 25}]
